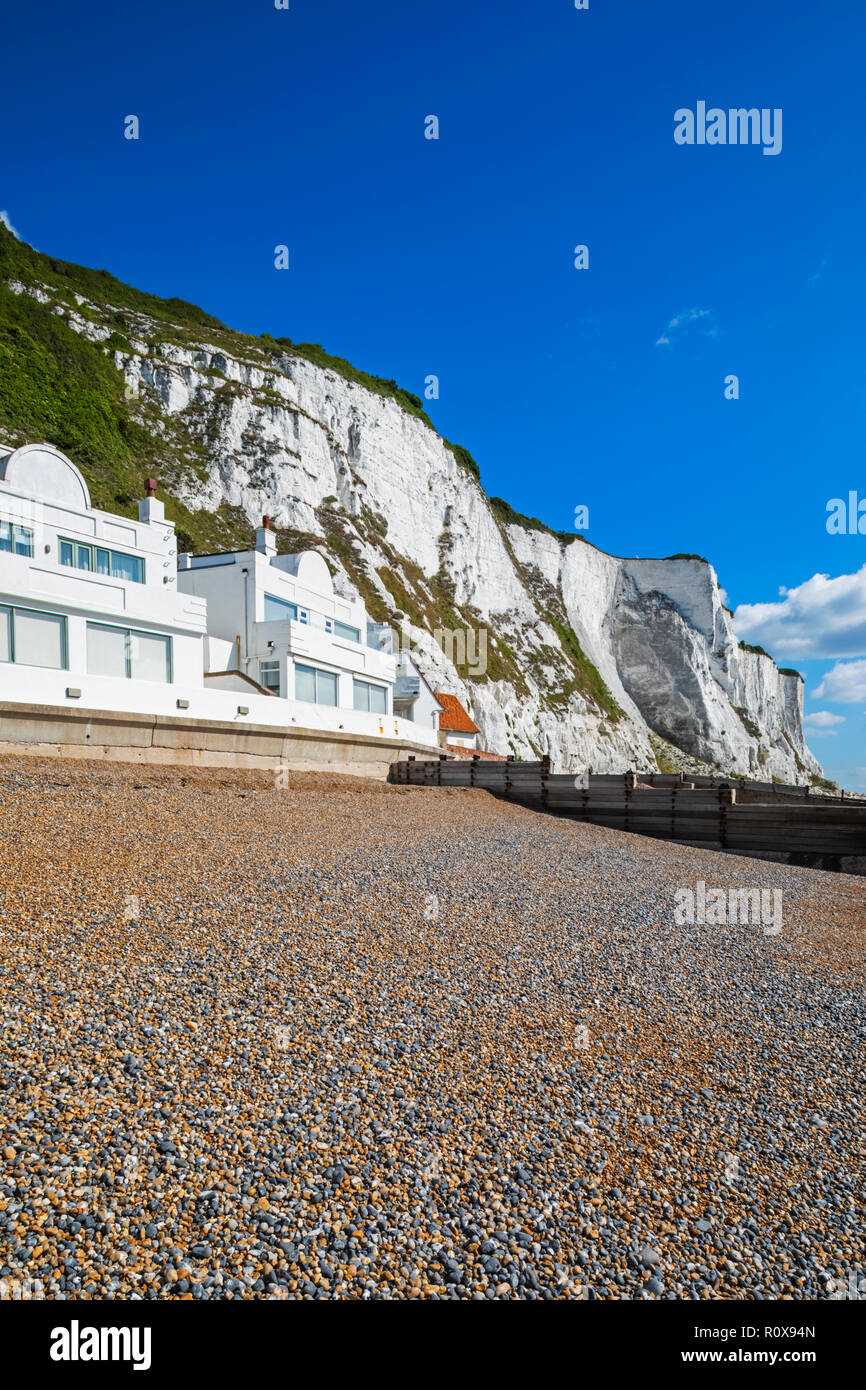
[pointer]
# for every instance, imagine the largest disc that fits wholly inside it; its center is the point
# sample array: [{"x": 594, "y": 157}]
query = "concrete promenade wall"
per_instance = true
[{"x": 56, "y": 731}]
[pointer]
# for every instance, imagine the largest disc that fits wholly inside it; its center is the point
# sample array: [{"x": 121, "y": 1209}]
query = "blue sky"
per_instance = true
[{"x": 305, "y": 127}]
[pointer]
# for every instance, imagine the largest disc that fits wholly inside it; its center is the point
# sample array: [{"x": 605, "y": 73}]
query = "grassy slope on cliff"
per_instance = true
[{"x": 60, "y": 386}]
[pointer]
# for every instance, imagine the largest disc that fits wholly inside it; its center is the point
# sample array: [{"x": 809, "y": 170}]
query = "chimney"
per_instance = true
[
  {"x": 266, "y": 541},
  {"x": 149, "y": 509}
]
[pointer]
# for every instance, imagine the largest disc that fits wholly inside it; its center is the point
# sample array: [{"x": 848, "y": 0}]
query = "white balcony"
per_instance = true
[
  {"x": 47, "y": 584},
  {"x": 305, "y": 642}
]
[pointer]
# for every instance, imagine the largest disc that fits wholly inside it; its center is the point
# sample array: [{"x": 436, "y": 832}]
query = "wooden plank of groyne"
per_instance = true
[{"x": 735, "y": 813}]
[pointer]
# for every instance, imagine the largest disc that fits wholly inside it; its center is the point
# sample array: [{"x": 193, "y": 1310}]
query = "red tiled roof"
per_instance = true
[
  {"x": 454, "y": 717},
  {"x": 468, "y": 753}
]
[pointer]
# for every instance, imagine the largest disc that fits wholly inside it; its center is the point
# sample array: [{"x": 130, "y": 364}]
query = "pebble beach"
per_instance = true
[{"x": 347, "y": 1040}]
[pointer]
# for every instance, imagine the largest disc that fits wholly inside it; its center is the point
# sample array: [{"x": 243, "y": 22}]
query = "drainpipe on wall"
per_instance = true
[{"x": 246, "y": 575}]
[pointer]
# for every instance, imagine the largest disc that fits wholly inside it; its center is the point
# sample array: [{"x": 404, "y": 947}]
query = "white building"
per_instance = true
[
  {"x": 413, "y": 695},
  {"x": 88, "y": 597},
  {"x": 456, "y": 726},
  {"x": 276, "y": 620},
  {"x": 97, "y": 610}
]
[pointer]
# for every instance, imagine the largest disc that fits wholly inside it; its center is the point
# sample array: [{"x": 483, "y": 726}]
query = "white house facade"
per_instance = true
[
  {"x": 275, "y": 620},
  {"x": 99, "y": 611},
  {"x": 413, "y": 695},
  {"x": 86, "y": 597}
]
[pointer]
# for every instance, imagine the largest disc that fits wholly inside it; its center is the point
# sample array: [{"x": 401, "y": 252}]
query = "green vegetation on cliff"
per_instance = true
[
  {"x": 89, "y": 419},
  {"x": 59, "y": 382}
]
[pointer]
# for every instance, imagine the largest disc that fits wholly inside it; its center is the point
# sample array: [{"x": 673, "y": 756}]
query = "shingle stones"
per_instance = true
[{"x": 349, "y": 1040}]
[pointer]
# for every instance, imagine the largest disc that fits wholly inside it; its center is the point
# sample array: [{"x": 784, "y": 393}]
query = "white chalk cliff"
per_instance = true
[{"x": 591, "y": 658}]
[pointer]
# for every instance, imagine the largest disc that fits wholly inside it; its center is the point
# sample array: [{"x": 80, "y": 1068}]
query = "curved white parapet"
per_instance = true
[
  {"x": 309, "y": 568},
  {"x": 41, "y": 471}
]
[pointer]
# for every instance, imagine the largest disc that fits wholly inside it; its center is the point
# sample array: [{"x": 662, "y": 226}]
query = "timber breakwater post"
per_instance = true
[{"x": 738, "y": 815}]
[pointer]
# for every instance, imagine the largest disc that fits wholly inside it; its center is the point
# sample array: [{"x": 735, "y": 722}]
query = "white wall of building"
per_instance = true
[
  {"x": 17, "y": 685},
  {"x": 236, "y": 587},
  {"x": 45, "y": 498},
  {"x": 219, "y": 654},
  {"x": 461, "y": 740},
  {"x": 202, "y": 616},
  {"x": 424, "y": 708}
]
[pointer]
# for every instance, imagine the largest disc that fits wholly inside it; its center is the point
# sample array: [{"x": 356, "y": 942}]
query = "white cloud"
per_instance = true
[
  {"x": 4, "y": 218},
  {"x": 823, "y": 719},
  {"x": 844, "y": 683},
  {"x": 820, "y": 618},
  {"x": 683, "y": 320}
]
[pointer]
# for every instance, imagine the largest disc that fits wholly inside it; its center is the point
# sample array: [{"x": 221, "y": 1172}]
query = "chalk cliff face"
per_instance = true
[{"x": 590, "y": 658}]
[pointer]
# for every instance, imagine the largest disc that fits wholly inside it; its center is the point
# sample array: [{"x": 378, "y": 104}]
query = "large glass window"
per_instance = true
[
  {"x": 278, "y": 610},
  {"x": 269, "y": 675},
  {"x": 106, "y": 650},
  {"x": 129, "y": 567},
  {"x": 125, "y": 652},
  {"x": 326, "y": 688},
  {"x": 315, "y": 686},
  {"x": 352, "y": 634},
  {"x": 305, "y": 684},
  {"x": 32, "y": 638},
  {"x": 150, "y": 657},
  {"x": 40, "y": 639},
  {"x": 16, "y": 539},
  {"x": 81, "y": 556},
  {"x": 373, "y": 698}
]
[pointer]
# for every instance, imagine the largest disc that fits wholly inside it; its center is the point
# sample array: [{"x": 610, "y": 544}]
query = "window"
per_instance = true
[
  {"x": 125, "y": 652},
  {"x": 373, "y": 698},
  {"x": 80, "y": 556},
  {"x": 269, "y": 675},
  {"x": 31, "y": 638},
  {"x": 352, "y": 634},
  {"x": 279, "y": 610},
  {"x": 314, "y": 686},
  {"x": 106, "y": 650},
  {"x": 122, "y": 566},
  {"x": 16, "y": 539},
  {"x": 150, "y": 656}
]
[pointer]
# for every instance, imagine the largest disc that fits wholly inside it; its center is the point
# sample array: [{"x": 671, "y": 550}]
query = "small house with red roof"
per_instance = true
[{"x": 455, "y": 723}]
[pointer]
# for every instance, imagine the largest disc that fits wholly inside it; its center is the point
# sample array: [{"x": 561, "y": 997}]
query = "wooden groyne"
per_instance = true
[{"x": 741, "y": 815}]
